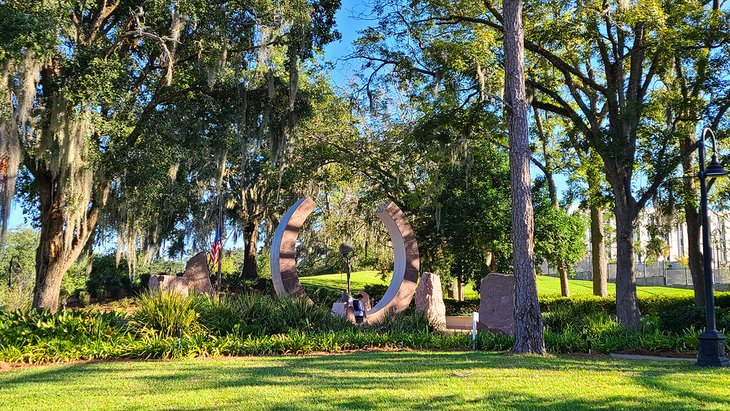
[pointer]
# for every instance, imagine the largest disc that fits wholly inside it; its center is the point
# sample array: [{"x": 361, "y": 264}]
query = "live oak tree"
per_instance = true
[{"x": 81, "y": 82}]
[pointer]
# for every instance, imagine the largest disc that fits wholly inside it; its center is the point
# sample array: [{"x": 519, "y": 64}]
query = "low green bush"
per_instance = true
[
  {"x": 375, "y": 291},
  {"x": 84, "y": 298},
  {"x": 676, "y": 319},
  {"x": 107, "y": 279},
  {"x": 723, "y": 322},
  {"x": 301, "y": 315},
  {"x": 487, "y": 341},
  {"x": 466, "y": 307},
  {"x": 242, "y": 315}
]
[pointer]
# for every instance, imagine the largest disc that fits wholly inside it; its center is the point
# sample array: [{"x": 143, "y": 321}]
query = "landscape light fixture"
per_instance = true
[
  {"x": 712, "y": 342},
  {"x": 346, "y": 250}
]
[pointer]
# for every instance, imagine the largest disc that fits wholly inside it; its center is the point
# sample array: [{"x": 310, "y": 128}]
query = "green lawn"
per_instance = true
[
  {"x": 338, "y": 281},
  {"x": 551, "y": 286},
  {"x": 545, "y": 285},
  {"x": 363, "y": 381}
]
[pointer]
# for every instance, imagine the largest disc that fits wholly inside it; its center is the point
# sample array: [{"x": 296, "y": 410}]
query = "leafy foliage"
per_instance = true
[
  {"x": 108, "y": 279},
  {"x": 17, "y": 265}
]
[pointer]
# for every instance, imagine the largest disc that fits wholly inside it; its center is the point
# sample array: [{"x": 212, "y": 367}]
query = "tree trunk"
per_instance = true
[
  {"x": 528, "y": 320},
  {"x": 553, "y": 192},
  {"x": 694, "y": 251},
  {"x": 627, "y": 304},
  {"x": 53, "y": 257},
  {"x": 251, "y": 235},
  {"x": 51, "y": 261},
  {"x": 692, "y": 218},
  {"x": 598, "y": 253},
  {"x": 563, "y": 272}
]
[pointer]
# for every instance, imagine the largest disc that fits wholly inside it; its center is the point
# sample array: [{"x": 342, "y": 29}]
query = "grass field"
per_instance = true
[
  {"x": 545, "y": 285},
  {"x": 364, "y": 381}
]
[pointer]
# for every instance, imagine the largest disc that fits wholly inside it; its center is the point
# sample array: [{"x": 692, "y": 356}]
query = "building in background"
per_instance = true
[{"x": 660, "y": 245}]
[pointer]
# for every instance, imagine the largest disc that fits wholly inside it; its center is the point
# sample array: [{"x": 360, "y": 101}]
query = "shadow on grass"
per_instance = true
[{"x": 347, "y": 381}]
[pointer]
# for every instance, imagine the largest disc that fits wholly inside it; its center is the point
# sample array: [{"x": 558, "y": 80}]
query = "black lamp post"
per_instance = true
[
  {"x": 712, "y": 342},
  {"x": 10, "y": 271},
  {"x": 346, "y": 250}
]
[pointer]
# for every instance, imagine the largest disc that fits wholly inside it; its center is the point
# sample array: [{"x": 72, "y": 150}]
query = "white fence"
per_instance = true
[{"x": 659, "y": 274}]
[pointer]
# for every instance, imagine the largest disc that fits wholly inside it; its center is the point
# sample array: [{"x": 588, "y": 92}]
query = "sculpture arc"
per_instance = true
[
  {"x": 405, "y": 248},
  {"x": 406, "y": 264},
  {"x": 283, "y": 258}
]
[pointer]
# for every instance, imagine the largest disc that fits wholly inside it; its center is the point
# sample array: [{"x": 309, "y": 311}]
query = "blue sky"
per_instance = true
[{"x": 350, "y": 19}]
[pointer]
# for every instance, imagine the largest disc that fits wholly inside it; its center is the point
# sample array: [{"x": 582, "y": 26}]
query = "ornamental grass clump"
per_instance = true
[
  {"x": 301, "y": 315},
  {"x": 167, "y": 315},
  {"x": 409, "y": 321},
  {"x": 242, "y": 315}
]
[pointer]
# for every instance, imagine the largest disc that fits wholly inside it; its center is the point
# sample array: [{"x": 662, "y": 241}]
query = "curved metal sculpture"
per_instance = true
[
  {"x": 405, "y": 268},
  {"x": 283, "y": 256},
  {"x": 406, "y": 264}
]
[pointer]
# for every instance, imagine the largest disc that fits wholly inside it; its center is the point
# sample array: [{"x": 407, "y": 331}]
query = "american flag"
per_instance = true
[{"x": 215, "y": 251}]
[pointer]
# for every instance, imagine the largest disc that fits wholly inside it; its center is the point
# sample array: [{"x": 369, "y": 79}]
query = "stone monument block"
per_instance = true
[
  {"x": 196, "y": 278},
  {"x": 430, "y": 299},
  {"x": 497, "y": 303},
  {"x": 169, "y": 284},
  {"x": 198, "y": 274}
]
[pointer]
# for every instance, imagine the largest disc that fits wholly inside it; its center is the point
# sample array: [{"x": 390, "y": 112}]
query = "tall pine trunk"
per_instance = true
[
  {"x": 598, "y": 253},
  {"x": 251, "y": 235},
  {"x": 528, "y": 320},
  {"x": 692, "y": 218}
]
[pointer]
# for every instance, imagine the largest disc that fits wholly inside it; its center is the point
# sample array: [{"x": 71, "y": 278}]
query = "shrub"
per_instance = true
[
  {"x": 579, "y": 305},
  {"x": 658, "y": 341},
  {"x": 466, "y": 307},
  {"x": 107, "y": 280},
  {"x": 658, "y": 304},
  {"x": 676, "y": 319},
  {"x": 487, "y": 341},
  {"x": 723, "y": 321},
  {"x": 71, "y": 327},
  {"x": 375, "y": 291},
  {"x": 84, "y": 298},
  {"x": 323, "y": 296},
  {"x": 256, "y": 314},
  {"x": 300, "y": 315},
  {"x": 615, "y": 340},
  {"x": 167, "y": 315}
]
